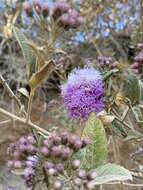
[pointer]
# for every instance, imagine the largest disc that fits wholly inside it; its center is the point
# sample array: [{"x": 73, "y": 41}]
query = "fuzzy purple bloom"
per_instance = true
[{"x": 83, "y": 93}]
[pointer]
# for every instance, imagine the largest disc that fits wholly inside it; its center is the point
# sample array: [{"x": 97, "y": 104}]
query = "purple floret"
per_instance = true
[{"x": 83, "y": 93}]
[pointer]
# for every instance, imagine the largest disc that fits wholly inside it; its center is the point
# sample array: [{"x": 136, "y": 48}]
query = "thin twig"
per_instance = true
[
  {"x": 115, "y": 148},
  {"x": 125, "y": 184},
  {"x": 5, "y": 122},
  {"x": 23, "y": 121},
  {"x": 29, "y": 107},
  {"x": 121, "y": 185}
]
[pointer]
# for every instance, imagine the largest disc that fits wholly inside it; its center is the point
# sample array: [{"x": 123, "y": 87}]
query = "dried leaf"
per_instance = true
[
  {"x": 39, "y": 53},
  {"x": 38, "y": 77},
  {"x": 10, "y": 21},
  {"x": 106, "y": 118},
  {"x": 7, "y": 30},
  {"x": 119, "y": 99}
]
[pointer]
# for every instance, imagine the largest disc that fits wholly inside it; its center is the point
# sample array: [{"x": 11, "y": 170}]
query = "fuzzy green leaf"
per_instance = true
[
  {"x": 26, "y": 50},
  {"x": 96, "y": 153},
  {"x": 111, "y": 172}
]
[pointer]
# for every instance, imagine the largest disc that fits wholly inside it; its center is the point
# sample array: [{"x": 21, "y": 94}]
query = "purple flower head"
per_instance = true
[{"x": 83, "y": 93}]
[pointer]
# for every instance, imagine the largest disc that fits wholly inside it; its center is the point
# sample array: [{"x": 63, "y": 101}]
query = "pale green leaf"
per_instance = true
[
  {"x": 111, "y": 172},
  {"x": 26, "y": 50},
  {"x": 96, "y": 153}
]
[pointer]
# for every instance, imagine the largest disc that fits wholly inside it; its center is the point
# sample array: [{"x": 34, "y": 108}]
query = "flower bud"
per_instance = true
[
  {"x": 76, "y": 164},
  {"x": 22, "y": 140},
  {"x": 46, "y": 142},
  {"x": 64, "y": 137},
  {"x": 82, "y": 174},
  {"x": 86, "y": 142},
  {"x": 31, "y": 139},
  {"x": 45, "y": 9},
  {"x": 92, "y": 175},
  {"x": 31, "y": 161},
  {"x": 78, "y": 182},
  {"x": 31, "y": 149},
  {"x": 37, "y": 6},
  {"x": 57, "y": 185},
  {"x": 90, "y": 185},
  {"x": 56, "y": 151},
  {"x": 52, "y": 172},
  {"x": 28, "y": 9},
  {"x": 59, "y": 167},
  {"x": 135, "y": 66},
  {"x": 64, "y": 22},
  {"x": 59, "y": 9},
  {"x": 72, "y": 140},
  {"x": 48, "y": 165},
  {"x": 77, "y": 145},
  {"x": 45, "y": 151},
  {"x": 57, "y": 140},
  {"x": 66, "y": 153}
]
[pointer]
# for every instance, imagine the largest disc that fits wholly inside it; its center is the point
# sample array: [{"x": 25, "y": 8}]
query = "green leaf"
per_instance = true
[
  {"x": 111, "y": 172},
  {"x": 131, "y": 88},
  {"x": 26, "y": 50},
  {"x": 96, "y": 153}
]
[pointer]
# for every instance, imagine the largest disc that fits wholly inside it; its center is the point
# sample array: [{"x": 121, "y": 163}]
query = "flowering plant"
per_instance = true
[{"x": 101, "y": 100}]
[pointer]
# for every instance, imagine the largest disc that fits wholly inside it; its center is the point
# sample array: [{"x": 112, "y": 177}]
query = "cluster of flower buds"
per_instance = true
[
  {"x": 137, "y": 66},
  {"x": 40, "y": 8},
  {"x": 65, "y": 16},
  {"x": 51, "y": 157},
  {"x": 22, "y": 154},
  {"x": 82, "y": 178},
  {"x": 106, "y": 63},
  {"x": 58, "y": 149}
]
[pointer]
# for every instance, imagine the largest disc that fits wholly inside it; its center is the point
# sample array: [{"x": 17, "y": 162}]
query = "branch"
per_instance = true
[
  {"x": 11, "y": 94},
  {"x": 125, "y": 184},
  {"x": 23, "y": 121}
]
